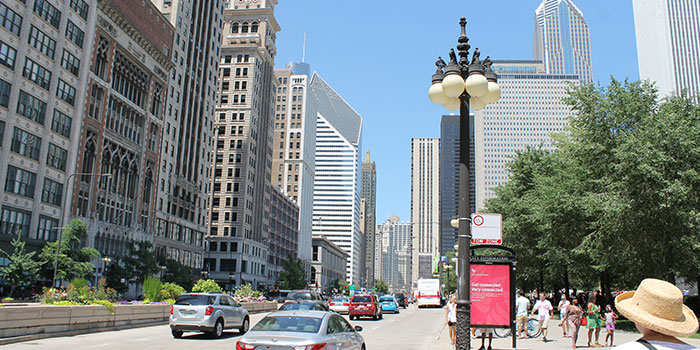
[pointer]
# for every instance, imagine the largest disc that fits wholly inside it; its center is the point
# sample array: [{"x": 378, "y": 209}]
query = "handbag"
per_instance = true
[{"x": 583, "y": 320}]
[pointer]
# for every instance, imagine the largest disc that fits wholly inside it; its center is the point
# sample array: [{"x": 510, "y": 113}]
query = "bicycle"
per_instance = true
[{"x": 533, "y": 329}]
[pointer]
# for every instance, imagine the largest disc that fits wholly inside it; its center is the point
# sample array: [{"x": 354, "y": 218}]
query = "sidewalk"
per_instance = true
[{"x": 554, "y": 340}]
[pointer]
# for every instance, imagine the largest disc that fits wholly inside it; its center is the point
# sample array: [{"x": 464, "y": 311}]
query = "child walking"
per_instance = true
[{"x": 610, "y": 318}]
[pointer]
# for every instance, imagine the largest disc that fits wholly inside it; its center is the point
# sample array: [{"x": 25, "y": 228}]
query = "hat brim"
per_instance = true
[{"x": 681, "y": 328}]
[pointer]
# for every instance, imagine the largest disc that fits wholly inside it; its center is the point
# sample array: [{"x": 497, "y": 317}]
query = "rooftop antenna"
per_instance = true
[{"x": 303, "y": 50}]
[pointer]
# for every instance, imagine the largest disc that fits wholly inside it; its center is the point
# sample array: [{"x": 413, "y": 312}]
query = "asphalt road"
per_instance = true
[{"x": 412, "y": 328}]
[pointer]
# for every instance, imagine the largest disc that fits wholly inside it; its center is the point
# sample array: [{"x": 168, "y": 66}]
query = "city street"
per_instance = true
[{"x": 413, "y": 328}]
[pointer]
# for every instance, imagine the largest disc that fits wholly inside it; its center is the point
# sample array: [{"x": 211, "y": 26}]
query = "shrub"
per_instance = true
[
  {"x": 207, "y": 286},
  {"x": 172, "y": 291},
  {"x": 108, "y": 304},
  {"x": 152, "y": 289},
  {"x": 79, "y": 283}
]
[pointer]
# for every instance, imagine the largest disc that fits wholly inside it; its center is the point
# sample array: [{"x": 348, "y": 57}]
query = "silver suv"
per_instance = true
[{"x": 210, "y": 313}]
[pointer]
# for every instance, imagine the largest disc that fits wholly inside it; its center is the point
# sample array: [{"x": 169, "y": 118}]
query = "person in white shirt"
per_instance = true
[
  {"x": 563, "y": 304},
  {"x": 544, "y": 312},
  {"x": 657, "y": 309},
  {"x": 521, "y": 305},
  {"x": 451, "y": 318}
]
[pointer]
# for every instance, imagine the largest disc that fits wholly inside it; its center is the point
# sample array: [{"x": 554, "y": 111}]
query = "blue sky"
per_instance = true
[{"x": 379, "y": 55}]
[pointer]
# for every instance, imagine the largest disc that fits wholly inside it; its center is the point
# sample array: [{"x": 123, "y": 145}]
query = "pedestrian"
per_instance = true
[
  {"x": 572, "y": 316},
  {"x": 521, "y": 306},
  {"x": 657, "y": 309},
  {"x": 610, "y": 318},
  {"x": 482, "y": 332},
  {"x": 451, "y": 319},
  {"x": 544, "y": 312},
  {"x": 593, "y": 320},
  {"x": 563, "y": 304}
]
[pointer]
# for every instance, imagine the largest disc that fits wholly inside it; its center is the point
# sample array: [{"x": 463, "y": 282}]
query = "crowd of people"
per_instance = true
[{"x": 656, "y": 309}]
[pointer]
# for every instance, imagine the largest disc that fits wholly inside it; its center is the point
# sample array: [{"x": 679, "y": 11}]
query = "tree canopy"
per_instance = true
[
  {"x": 292, "y": 274},
  {"x": 22, "y": 268},
  {"x": 73, "y": 261},
  {"x": 616, "y": 202}
]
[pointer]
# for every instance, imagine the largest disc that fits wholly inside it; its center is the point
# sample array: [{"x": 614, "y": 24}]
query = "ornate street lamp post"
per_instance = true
[{"x": 461, "y": 85}]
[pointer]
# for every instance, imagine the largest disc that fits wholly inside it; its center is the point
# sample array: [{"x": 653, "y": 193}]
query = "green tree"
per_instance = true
[
  {"x": 341, "y": 285},
  {"x": 73, "y": 261},
  {"x": 23, "y": 267},
  {"x": 178, "y": 273},
  {"x": 292, "y": 274},
  {"x": 115, "y": 274},
  {"x": 207, "y": 286},
  {"x": 141, "y": 262},
  {"x": 381, "y": 287},
  {"x": 448, "y": 275}
]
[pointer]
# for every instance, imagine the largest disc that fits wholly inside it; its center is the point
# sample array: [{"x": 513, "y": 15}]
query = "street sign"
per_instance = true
[{"x": 487, "y": 229}]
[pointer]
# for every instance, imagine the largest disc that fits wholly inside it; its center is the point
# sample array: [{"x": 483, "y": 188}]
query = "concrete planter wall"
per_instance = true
[{"x": 52, "y": 320}]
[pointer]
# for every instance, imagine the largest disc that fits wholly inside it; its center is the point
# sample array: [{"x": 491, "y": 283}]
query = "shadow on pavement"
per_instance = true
[{"x": 202, "y": 336}]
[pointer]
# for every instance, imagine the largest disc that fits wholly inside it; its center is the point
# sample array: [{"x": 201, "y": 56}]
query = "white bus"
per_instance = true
[{"x": 428, "y": 292}]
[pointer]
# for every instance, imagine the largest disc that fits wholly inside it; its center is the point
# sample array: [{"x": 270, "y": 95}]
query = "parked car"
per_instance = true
[
  {"x": 302, "y": 330},
  {"x": 340, "y": 305},
  {"x": 304, "y": 305},
  {"x": 210, "y": 313},
  {"x": 365, "y": 305},
  {"x": 401, "y": 299},
  {"x": 389, "y": 303}
]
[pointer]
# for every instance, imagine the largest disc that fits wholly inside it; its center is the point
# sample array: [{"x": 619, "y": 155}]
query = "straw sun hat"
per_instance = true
[{"x": 658, "y": 305}]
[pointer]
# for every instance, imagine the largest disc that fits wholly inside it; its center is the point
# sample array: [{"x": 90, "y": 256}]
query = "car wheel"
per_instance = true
[
  {"x": 218, "y": 329},
  {"x": 176, "y": 334},
  {"x": 244, "y": 326},
  {"x": 351, "y": 317}
]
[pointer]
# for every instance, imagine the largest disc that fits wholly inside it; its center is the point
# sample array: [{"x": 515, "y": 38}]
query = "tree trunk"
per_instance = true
[
  {"x": 601, "y": 302},
  {"x": 12, "y": 291},
  {"x": 567, "y": 284},
  {"x": 540, "y": 286}
]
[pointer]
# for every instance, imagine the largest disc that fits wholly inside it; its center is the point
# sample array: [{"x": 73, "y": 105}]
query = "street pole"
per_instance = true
[
  {"x": 60, "y": 226},
  {"x": 464, "y": 233}
]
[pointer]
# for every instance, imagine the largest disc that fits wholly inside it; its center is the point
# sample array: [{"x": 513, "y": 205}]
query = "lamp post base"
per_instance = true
[{"x": 463, "y": 322}]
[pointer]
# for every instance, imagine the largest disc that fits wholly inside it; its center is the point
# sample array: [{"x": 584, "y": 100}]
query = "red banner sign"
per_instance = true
[{"x": 490, "y": 295}]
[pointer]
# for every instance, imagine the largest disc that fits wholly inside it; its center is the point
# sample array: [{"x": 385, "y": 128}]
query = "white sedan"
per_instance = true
[{"x": 340, "y": 305}]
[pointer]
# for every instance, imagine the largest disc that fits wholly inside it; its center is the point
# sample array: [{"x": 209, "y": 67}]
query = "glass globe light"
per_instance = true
[
  {"x": 477, "y": 85},
  {"x": 494, "y": 93},
  {"x": 436, "y": 95},
  {"x": 452, "y": 104},
  {"x": 476, "y": 103},
  {"x": 453, "y": 85}
]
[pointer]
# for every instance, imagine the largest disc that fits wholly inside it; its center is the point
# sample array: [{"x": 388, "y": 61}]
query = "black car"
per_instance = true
[
  {"x": 305, "y": 295},
  {"x": 401, "y": 299},
  {"x": 304, "y": 305}
]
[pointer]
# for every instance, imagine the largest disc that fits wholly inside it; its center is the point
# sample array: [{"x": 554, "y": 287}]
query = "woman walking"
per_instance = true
[
  {"x": 593, "y": 320},
  {"x": 572, "y": 316},
  {"x": 451, "y": 318}
]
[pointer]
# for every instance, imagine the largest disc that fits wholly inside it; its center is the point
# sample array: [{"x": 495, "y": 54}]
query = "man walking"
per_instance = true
[
  {"x": 563, "y": 304},
  {"x": 544, "y": 312},
  {"x": 521, "y": 305}
]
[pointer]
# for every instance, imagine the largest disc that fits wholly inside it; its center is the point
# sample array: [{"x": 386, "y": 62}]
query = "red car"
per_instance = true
[{"x": 365, "y": 305}]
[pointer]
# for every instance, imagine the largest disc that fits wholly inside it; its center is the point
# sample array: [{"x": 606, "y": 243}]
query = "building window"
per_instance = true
[
  {"x": 5, "y": 93},
  {"x": 31, "y": 107},
  {"x": 47, "y": 229},
  {"x": 42, "y": 42},
  {"x": 100, "y": 66},
  {"x": 26, "y": 144},
  {"x": 70, "y": 62},
  {"x": 10, "y": 19},
  {"x": 56, "y": 157},
  {"x": 36, "y": 73},
  {"x": 254, "y": 27},
  {"x": 20, "y": 181},
  {"x": 52, "y": 192},
  {"x": 65, "y": 92},
  {"x": 61, "y": 123},
  {"x": 74, "y": 34},
  {"x": 2, "y": 132},
  {"x": 80, "y": 7},
  {"x": 46, "y": 11},
  {"x": 7, "y": 55},
  {"x": 234, "y": 28},
  {"x": 95, "y": 102},
  {"x": 244, "y": 27},
  {"x": 15, "y": 222}
]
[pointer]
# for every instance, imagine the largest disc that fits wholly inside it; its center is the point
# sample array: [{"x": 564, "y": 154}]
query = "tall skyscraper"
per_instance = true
[
  {"x": 185, "y": 177},
  {"x": 668, "y": 44},
  {"x": 43, "y": 97},
  {"x": 293, "y": 148},
  {"x": 369, "y": 193},
  {"x": 449, "y": 178},
  {"x": 529, "y": 112},
  {"x": 337, "y": 181},
  {"x": 425, "y": 205},
  {"x": 562, "y": 39},
  {"x": 396, "y": 253},
  {"x": 240, "y": 196}
]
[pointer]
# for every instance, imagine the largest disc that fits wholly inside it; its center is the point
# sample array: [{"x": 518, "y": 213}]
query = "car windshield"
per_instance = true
[
  {"x": 299, "y": 296},
  {"x": 386, "y": 299},
  {"x": 340, "y": 300},
  {"x": 195, "y": 300},
  {"x": 288, "y": 324},
  {"x": 362, "y": 299},
  {"x": 298, "y": 306}
]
